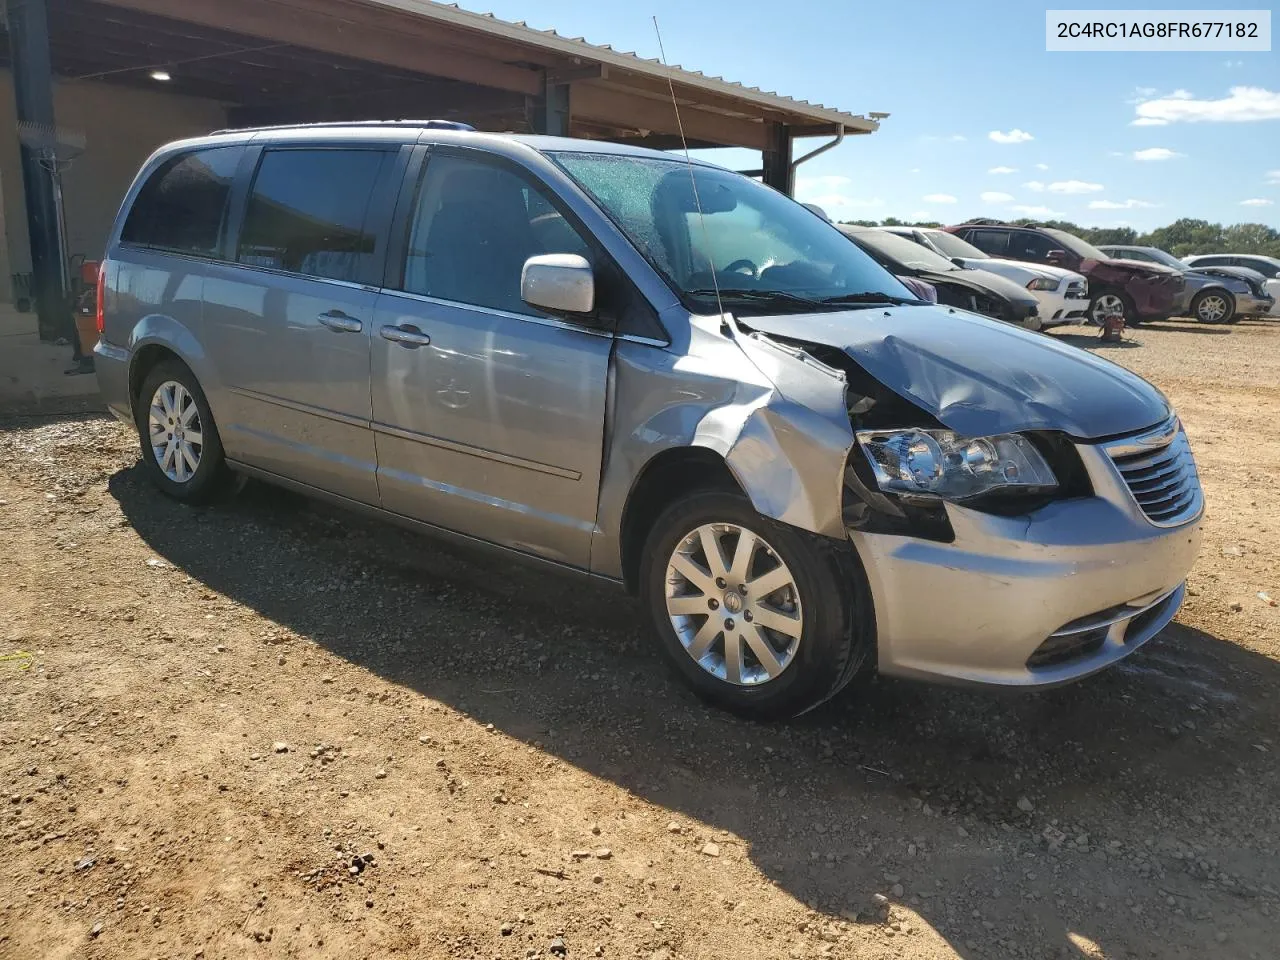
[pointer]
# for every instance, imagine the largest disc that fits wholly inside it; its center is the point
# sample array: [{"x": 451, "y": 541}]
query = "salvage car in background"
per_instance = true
[
  {"x": 1063, "y": 294},
  {"x": 1212, "y": 294},
  {"x": 973, "y": 290},
  {"x": 1269, "y": 267},
  {"x": 1138, "y": 291},
  {"x": 563, "y": 351}
]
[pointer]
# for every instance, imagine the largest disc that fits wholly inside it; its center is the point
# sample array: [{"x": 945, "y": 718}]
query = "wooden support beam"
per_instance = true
[{"x": 620, "y": 108}]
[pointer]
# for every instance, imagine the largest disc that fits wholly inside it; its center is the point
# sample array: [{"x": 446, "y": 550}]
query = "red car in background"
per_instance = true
[{"x": 1142, "y": 291}]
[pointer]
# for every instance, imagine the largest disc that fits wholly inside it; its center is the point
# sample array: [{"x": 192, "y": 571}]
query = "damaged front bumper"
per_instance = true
[{"x": 1033, "y": 600}]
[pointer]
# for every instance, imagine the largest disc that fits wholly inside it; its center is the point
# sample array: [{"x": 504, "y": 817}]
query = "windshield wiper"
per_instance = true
[
  {"x": 755, "y": 296},
  {"x": 870, "y": 296}
]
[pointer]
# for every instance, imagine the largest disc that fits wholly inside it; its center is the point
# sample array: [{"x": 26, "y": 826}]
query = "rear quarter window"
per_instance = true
[{"x": 182, "y": 207}]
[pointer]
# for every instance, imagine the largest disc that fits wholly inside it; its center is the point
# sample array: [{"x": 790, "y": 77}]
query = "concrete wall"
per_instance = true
[{"x": 121, "y": 126}]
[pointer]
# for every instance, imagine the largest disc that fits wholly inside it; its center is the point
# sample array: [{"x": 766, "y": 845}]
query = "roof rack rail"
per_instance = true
[
  {"x": 987, "y": 221},
  {"x": 330, "y": 124}
]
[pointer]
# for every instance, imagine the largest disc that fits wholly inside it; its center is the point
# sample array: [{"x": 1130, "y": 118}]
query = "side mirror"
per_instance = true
[
  {"x": 558, "y": 283},
  {"x": 958, "y": 261},
  {"x": 1056, "y": 256},
  {"x": 817, "y": 211}
]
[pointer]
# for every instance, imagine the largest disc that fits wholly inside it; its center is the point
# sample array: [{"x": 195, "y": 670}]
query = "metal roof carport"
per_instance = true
[{"x": 295, "y": 61}]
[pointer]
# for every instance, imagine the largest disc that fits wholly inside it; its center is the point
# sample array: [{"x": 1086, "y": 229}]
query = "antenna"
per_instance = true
[{"x": 726, "y": 320}]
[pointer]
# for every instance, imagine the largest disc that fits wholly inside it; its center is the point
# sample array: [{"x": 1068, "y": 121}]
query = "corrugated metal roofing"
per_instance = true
[{"x": 550, "y": 40}]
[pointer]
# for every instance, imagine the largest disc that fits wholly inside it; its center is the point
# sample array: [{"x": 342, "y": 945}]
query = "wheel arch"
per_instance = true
[{"x": 667, "y": 476}]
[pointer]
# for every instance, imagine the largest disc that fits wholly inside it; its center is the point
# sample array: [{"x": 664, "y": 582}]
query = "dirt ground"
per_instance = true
[{"x": 266, "y": 729}]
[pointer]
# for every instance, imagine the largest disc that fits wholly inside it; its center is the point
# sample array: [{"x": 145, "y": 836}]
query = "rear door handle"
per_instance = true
[
  {"x": 339, "y": 321},
  {"x": 407, "y": 335}
]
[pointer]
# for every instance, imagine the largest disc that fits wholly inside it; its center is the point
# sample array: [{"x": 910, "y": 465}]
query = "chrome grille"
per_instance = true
[{"x": 1160, "y": 472}]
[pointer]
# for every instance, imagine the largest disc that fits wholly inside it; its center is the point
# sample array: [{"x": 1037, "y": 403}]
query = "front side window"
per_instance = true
[
  {"x": 1033, "y": 246},
  {"x": 474, "y": 226},
  {"x": 310, "y": 213},
  {"x": 705, "y": 229},
  {"x": 183, "y": 205},
  {"x": 1265, "y": 267}
]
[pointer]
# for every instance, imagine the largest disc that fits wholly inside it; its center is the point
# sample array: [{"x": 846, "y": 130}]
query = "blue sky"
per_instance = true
[{"x": 960, "y": 77}]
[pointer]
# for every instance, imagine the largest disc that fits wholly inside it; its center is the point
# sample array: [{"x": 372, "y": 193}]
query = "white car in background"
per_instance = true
[
  {"x": 1063, "y": 294},
  {"x": 1269, "y": 267}
]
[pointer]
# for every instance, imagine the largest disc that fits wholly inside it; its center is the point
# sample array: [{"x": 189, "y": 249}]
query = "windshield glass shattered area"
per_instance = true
[
  {"x": 705, "y": 228},
  {"x": 949, "y": 245},
  {"x": 902, "y": 251}
]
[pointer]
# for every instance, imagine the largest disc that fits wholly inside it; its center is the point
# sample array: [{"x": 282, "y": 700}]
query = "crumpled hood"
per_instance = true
[
  {"x": 980, "y": 376},
  {"x": 1140, "y": 267}
]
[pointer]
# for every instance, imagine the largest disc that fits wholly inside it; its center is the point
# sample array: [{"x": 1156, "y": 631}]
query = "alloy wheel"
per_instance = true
[
  {"x": 174, "y": 430},
  {"x": 1106, "y": 304},
  {"x": 734, "y": 604},
  {"x": 1212, "y": 309}
]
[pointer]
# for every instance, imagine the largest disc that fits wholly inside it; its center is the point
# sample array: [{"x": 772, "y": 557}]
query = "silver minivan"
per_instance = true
[{"x": 656, "y": 373}]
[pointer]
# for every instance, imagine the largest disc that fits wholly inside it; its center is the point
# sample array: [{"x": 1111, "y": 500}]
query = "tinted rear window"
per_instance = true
[
  {"x": 182, "y": 207},
  {"x": 309, "y": 213}
]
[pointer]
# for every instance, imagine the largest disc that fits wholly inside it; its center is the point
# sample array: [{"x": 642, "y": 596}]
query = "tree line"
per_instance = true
[{"x": 1182, "y": 238}]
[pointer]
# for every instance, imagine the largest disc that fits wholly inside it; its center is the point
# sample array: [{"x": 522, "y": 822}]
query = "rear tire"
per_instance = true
[
  {"x": 1213, "y": 306},
  {"x": 769, "y": 653},
  {"x": 181, "y": 450}
]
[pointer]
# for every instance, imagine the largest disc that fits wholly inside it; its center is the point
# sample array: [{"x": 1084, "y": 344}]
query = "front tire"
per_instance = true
[
  {"x": 1213, "y": 306},
  {"x": 181, "y": 450},
  {"x": 755, "y": 616},
  {"x": 1105, "y": 300}
]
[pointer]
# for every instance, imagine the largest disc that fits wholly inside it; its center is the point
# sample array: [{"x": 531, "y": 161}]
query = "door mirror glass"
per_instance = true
[
  {"x": 1056, "y": 256},
  {"x": 558, "y": 283}
]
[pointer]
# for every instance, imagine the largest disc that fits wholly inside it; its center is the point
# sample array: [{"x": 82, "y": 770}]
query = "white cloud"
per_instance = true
[
  {"x": 1242, "y": 104},
  {"x": 995, "y": 196},
  {"x": 1042, "y": 166},
  {"x": 1029, "y": 211},
  {"x": 1035, "y": 186},
  {"x": 1273, "y": 177},
  {"x": 827, "y": 182},
  {"x": 938, "y": 198},
  {"x": 1119, "y": 205},
  {"x": 1231, "y": 64},
  {"x": 1013, "y": 136},
  {"x": 1256, "y": 202},
  {"x": 1074, "y": 186},
  {"x": 1003, "y": 170},
  {"x": 914, "y": 170},
  {"x": 1155, "y": 153},
  {"x": 830, "y": 193},
  {"x": 1149, "y": 122}
]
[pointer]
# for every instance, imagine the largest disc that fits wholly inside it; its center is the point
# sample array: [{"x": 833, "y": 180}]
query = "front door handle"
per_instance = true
[
  {"x": 406, "y": 334},
  {"x": 339, "y": 321}
]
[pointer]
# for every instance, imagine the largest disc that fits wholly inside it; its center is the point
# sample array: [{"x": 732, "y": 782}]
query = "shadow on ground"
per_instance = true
[{"x": 909, "y": 780}]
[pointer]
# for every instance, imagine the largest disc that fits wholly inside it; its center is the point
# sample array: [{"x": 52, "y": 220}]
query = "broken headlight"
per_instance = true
[{"x": 942, "y": 464}]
